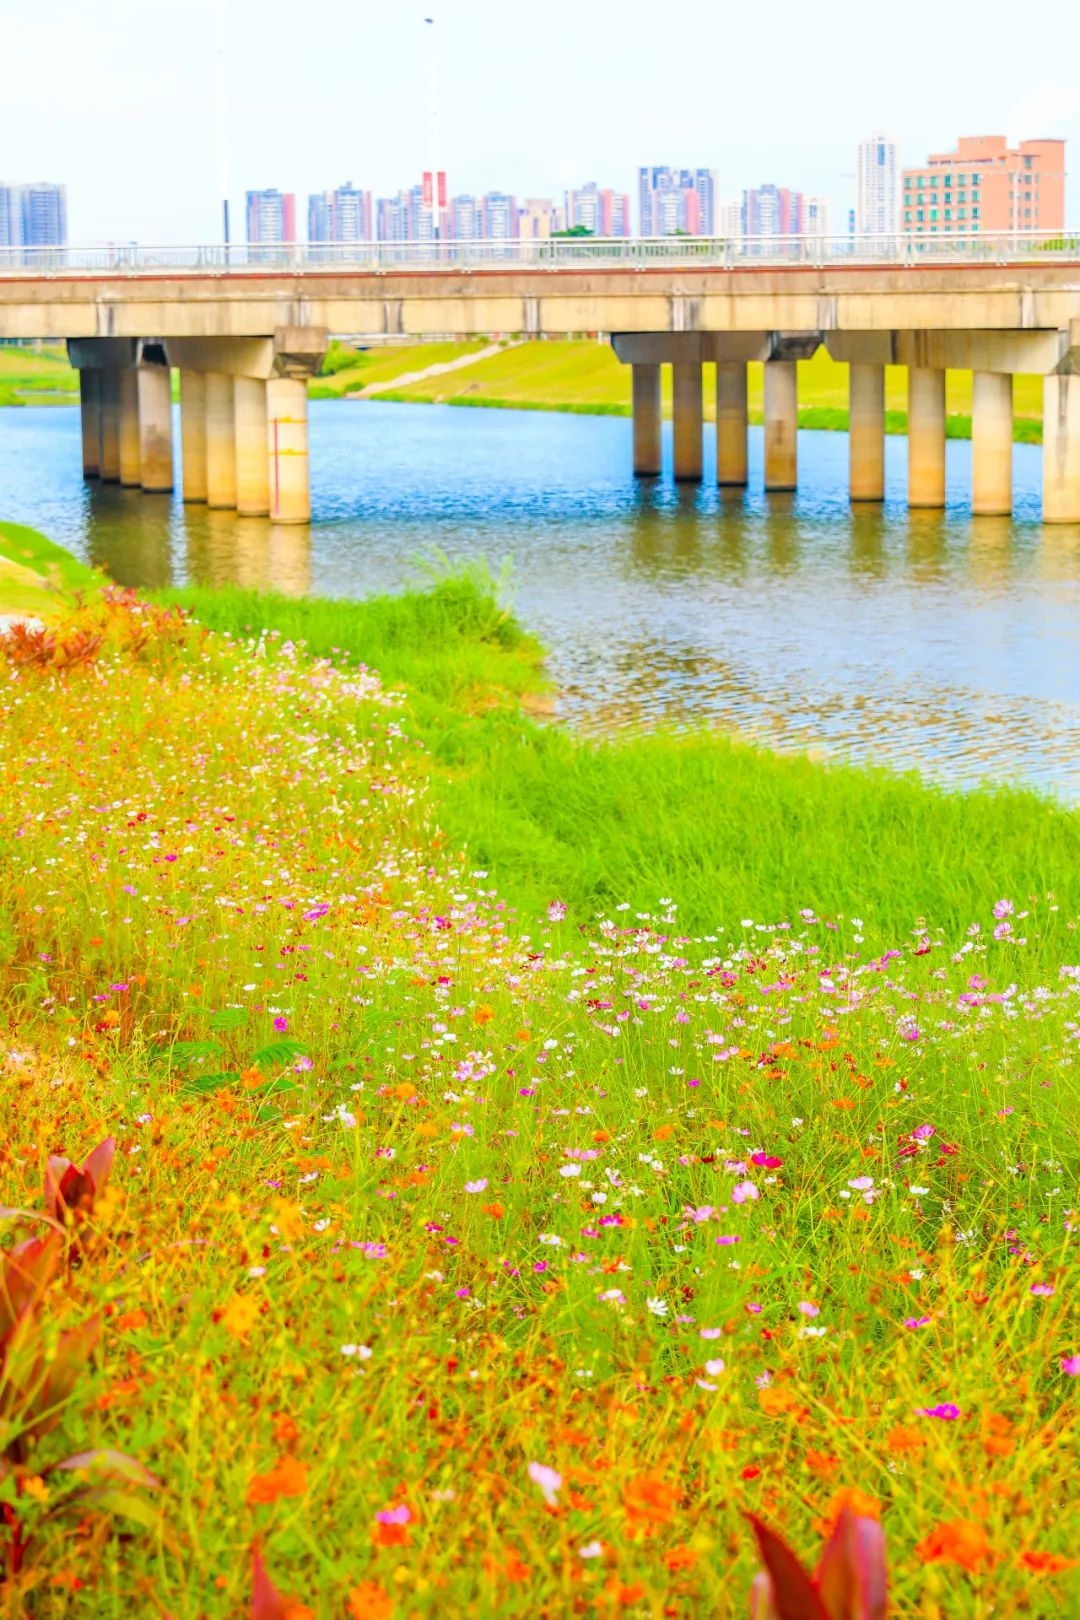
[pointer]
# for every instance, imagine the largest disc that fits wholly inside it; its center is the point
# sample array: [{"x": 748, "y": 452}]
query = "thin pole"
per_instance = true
[
  {"x": 222, "y": 119},
  {"x": 433, "y": 128}
]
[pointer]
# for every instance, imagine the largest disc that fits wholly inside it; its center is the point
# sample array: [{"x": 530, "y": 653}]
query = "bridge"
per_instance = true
[{"x": 247, "y": 328}]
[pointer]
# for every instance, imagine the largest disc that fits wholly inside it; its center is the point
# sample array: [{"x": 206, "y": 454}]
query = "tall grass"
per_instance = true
[{"x": 715, "y": 824}]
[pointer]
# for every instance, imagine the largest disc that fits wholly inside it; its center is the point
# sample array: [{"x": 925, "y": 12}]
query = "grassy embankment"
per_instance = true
[
  {"x": 37, "y": 577},
  {"x": 585, "y": 377},
  {"x": 581, "y": 377},
  {"x": 495, "y": 1264}
]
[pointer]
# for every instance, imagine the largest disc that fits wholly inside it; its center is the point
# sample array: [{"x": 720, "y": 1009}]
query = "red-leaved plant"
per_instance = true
[
  {"x": 850, "y": 1582},
  {"x": 70, "y": 1189}
]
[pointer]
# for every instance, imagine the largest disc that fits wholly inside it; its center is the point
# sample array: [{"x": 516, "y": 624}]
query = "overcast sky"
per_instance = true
[{"x": 117, "y": 97}]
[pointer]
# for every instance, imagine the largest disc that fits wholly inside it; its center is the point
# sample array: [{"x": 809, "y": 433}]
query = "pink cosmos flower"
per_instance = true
[
  {"x": 807, "y": 1309},
  {"x": 743, "y": 1191},
  {"x": 916, "y": 1321},
  {"x": 281, "y": 1023},
  {"x": 476, "y": 1186},
  {"x": 394, "y": 1515},
  {"x": 1042, "y": 1290},
  {"x": 946, "y": 1410},
  {"x": 766, "y": 1161},
  {"x": 1003, "y": 908},
  {"x": 1070, "y": 1366},
  {"x": 549, "y": 1481}
]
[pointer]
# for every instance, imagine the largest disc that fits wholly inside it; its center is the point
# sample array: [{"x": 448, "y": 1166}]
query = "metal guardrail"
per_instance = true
[{"x": 556, "y": 253}]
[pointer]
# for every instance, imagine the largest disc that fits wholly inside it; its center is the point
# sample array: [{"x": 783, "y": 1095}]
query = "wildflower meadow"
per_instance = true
[{"x": 376, "y": 1246}]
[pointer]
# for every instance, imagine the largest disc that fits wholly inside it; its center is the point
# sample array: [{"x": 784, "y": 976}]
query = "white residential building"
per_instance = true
[{"x": 877, "y": 208}]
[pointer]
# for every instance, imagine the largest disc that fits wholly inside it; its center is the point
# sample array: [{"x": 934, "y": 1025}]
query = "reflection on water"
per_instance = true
[{"x": 930, "y": 639}]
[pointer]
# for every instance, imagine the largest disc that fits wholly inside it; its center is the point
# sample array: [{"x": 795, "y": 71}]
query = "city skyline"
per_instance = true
[{"x": 141, "y": 157}]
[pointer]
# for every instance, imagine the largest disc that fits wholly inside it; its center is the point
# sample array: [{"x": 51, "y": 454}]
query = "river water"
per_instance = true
[{"x": 926, "y": 640}]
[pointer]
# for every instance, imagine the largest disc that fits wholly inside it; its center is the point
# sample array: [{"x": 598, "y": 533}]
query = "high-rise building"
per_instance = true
[
  {"x": 498, "y": 220},
  {"x": 986, "y": 185},
  {"x": 539, "y": 218},
  {"x": 773, "y": 211},
  {"x": 600, "y": 211},
  {"x": 344, "y": 215},
  {"x": 672, "y": 201},
  {"x": 411, "y": 215},
  {"x": 877, "y": 204},
  {"x": 817, "y": 216},
  {"x": 728, "y": 221},
  {"x": 33, "y": 215},
  {"x": 464, "y": 223},
  {"x": 271, "y": 218}
]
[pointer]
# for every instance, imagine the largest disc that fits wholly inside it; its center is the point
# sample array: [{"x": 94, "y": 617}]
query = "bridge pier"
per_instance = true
[
  {"x": 287, "y": 442},
  {"x": 689, "y": 415},
  {"x": 130, "y": 449},
  {"x": 648, "y": 416},
  {"x": 220, "y": 441},
  {"x": 252, "y": 447},
  {"x": 926, "y": 437},
  {"x": 781, "y": 424},
  {"x": 90, "y": 421},
  {"x": 866, "y": 422},
  {"x": 731, "y": 424},
  {"x": 1061, "y": 449},
  {"x": 193, "y": 435},
  {"x": 109, "y": 392},
  {"x": 154, "y": 385},
  {"x": 991, "y": 443}
]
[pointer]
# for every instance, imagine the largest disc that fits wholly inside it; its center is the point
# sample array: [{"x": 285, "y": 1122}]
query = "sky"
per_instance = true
[{"x": 119, "y": 98}]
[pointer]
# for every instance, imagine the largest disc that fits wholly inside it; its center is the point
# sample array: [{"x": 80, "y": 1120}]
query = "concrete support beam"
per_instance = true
[
  {"x": 731, "y": 421},
  {"x": 1061, "y": 449},
  {"x": 90, "y": 417},
  {"x": 155, "y": 428},
  {"x": 109, "y": 393},
  {"x": 193, "y": 434},
  {"x": 252, "y": 449},
  {"x": 647, "y": 420},
  {"x": 287, "y": 441},
  {"x": 866, "y": 416},
  {"x": 130, "y": 456},
  {"x": 689, "y": 420},
  {"x": 926, "y": 437},
  {"x": 781, "y": 424},
  {"x": 220, "y": 441},
  {"x": 991, "y": 444}
]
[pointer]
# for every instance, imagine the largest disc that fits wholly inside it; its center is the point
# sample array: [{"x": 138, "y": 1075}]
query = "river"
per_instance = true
[{"x": 917, "y": 640}]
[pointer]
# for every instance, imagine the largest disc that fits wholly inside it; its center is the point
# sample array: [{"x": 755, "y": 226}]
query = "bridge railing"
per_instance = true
[{"x": 553, "y": 253}]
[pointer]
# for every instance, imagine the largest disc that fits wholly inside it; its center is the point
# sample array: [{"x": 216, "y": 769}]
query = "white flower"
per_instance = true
[
  {"x": 553, "y": 1238},
  {"x": 569, "y": 1169},
  {"x": 657, "y": 1306},
  {"x": 918, "y": 1192},
  {"x": 592, "y": 1549},
  {"x": 362, "y": 1352},
  {"x": 714, "y": 1368}
]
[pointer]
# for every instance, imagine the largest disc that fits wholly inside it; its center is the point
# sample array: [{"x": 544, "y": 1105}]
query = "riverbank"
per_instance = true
[
  {"x": 581, "y": 376},
  {"x": 600, "y": 1230}
]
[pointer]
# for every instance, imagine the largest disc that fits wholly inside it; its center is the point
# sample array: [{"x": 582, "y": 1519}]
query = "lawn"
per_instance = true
[
  {"x": 37, "y": 577},
  {"x": 476, "y": 1242},
  {"x": 36, "y": 377}
]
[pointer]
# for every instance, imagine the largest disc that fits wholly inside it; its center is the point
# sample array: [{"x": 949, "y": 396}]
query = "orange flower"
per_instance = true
[
  {"x": 859, "y": 1503},
  {"x": 239, "y": 1315},
  {"x": 390, "y": 1535},
  {"x": 1046, "y": 1563},
  {"x": 496, "y": 1211},
  {"x": 370, "y": 1601},
  {"x": 680, "y": 1558},
  {"x": 622, "y": 1595},
  {"x": 820, "y": 1463},
  {"x": 776, "y": 1401},
  {"x": 483, "y": 1015},
  {"x": 960, "y": 1541},
  {"x": 649, "y": 1501},
  {"x": 250, "y": 1079},
  {"x": 905, "y": 1437},
  {"x": 287, "y": 1478}
]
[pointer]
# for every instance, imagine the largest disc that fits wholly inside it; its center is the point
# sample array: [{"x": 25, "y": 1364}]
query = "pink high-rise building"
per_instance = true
[{"x": 986, "y": 185}]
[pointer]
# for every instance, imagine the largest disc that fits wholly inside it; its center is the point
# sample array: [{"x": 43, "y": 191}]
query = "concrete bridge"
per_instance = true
[{"x": 246, "y": 337}]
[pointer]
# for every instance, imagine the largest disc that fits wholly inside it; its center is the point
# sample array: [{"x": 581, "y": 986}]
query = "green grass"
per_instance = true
[
  {"x": 723, "y": 826},
  {"x": 420, "y": 1211},
  {"x": 37, "y": 576},
  {"x": 36, "y": 377},
  {"x": 350, "y": 370}
]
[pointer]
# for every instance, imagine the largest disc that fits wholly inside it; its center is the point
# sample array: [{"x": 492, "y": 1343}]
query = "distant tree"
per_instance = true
[{"x": 575, "y": 230}]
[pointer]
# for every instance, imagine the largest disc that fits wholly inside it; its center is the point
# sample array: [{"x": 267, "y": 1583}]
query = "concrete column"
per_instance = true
[
  {"x": 155, "y": 428},
  {"x": 252, "y": 451},
  {"x": 689, "y": 419},
  {"x": 130, "y": 454},
  {"x": 90, "y": 414},
  {"x": 731, "y": 419},
  {"x": 1061, "y": 449},
  {"x": 866, "y": 419},
  {"x": 926, "y": 437},
  {"x": 781, "y": 424},
  {"x": 193, "y": 434},
  {"x": 991, "y": 443},
  {"x": 220, "y": 440},
  {"x": 647, "y": 419},
  {"x": 287, "y": 441},
  {"x": 109, "y": 392}
]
